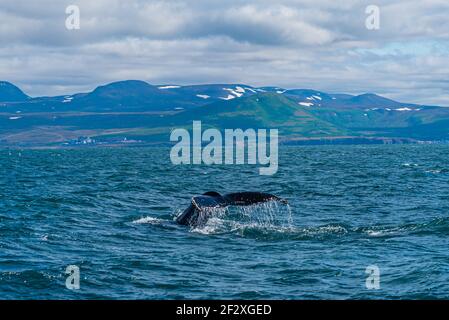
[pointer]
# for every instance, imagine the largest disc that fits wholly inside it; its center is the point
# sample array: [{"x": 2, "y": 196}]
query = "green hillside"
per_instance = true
[
  {"x": 293, "y": 117},
  {"x": 267, "y": 110}
]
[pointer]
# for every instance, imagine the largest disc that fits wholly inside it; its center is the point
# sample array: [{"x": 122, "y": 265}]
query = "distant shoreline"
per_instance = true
[{"x": 350, "y": 140}]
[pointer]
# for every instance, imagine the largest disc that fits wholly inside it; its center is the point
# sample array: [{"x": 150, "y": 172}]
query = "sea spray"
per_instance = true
[{"x": 268, "y": 215}]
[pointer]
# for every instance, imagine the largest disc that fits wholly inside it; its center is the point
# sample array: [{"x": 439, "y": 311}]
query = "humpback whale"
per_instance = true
[{"x": 201, "y": 206}]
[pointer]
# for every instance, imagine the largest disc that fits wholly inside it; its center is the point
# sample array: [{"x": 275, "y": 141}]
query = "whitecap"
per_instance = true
[{"x": 149, "y": 220}]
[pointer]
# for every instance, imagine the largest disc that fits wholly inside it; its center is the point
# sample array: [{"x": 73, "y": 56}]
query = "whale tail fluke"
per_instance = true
[
  {"x": 250, "y": 198},
  {"x": 211, "y": 199}
]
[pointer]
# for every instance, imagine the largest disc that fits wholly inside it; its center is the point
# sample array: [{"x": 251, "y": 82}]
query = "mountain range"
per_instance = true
[{"x": 135, "y": 111}]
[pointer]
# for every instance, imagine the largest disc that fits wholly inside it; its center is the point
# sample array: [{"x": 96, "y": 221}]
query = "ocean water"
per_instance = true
[{"x": 110, "y": 212}]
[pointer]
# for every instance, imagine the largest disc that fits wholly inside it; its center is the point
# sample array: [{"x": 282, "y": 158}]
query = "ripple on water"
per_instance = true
[{"x": 111, "y": 212}]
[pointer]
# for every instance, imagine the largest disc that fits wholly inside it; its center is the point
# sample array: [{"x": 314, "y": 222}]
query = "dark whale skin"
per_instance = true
[{"x": 200, "y": 204}]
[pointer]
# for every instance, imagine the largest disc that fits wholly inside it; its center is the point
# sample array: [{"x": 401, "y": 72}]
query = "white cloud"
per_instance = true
[{"x": 310, "y": 43}]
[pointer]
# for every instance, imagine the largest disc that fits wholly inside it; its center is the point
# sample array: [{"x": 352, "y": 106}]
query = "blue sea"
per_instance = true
[{"x": 110, "y": 212}]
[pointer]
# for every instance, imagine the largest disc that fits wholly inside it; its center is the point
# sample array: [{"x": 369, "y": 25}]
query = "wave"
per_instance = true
[
  {"x": 288, "y": 232},
  {"x": 274, "y": 221},
  {"x": 437, "y": 225},
  {"x": 148, "y": 220}
]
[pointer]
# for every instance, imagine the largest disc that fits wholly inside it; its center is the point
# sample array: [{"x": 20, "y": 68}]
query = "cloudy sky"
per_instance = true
[{"x": 319, "y": 44}]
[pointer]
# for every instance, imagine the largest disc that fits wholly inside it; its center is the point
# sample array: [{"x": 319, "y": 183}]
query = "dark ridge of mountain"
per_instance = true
[
  {"x": 130, "y": 95},
  {"x": 342, "y": 96},
  {"x": 315, "y": 98},
  {"x": 11, "y": 93},
  {"x": 300, "y": 113},
  {"x": 207, "y": 93},
  {"x": 306, "y": 93},
  {"x": 140, "y": 96},
  {"x": 134, "y": 96},
  {"x": 271, "y": 89},
  {"x": 136, "y": 106},
  {"x": 123, "y": 89},
  {"x": 373, "y": 100},
  {"x": 309, "y": 98}
]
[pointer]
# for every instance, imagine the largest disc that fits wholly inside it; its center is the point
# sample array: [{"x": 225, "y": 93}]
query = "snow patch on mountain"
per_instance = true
[
  {"x": 67, "y": 99},
  {"x": 169, "y": 87},
  {"x": 237, "y": 93},
  {"x": 229, "y": 97},
  {"x": 314, "y": 98},
  {"x": 239, "y": 89}
]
